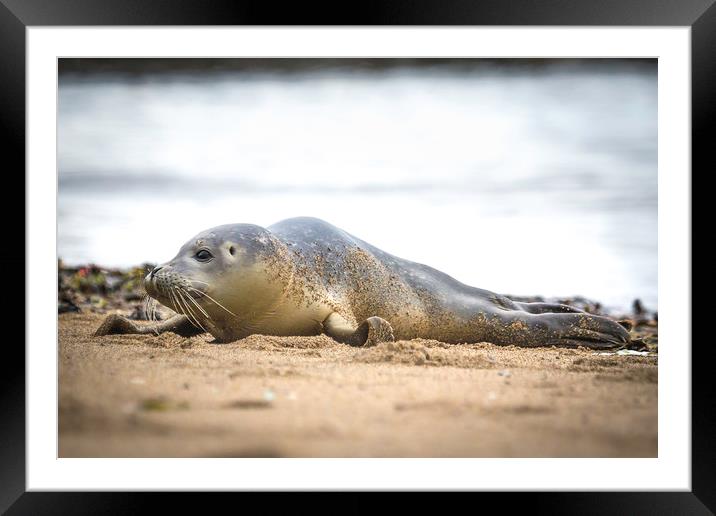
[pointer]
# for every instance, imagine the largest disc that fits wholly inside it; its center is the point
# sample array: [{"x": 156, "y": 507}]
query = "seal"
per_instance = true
[{"x": 304, "y": 276}]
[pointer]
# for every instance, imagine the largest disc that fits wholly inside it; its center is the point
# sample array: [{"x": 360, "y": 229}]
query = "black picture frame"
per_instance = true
[{"x": 17, "y": 15}]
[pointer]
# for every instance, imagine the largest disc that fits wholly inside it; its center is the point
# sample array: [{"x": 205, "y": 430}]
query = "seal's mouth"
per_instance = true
[
  {"x": 161, "y": 283},
  {"x": 183, "y": 295}
]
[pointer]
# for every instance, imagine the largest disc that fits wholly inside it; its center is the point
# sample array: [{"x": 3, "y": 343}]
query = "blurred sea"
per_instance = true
[{"x": 525, "y": 181}]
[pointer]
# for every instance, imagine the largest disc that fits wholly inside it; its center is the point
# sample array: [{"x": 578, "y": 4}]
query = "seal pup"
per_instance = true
[{"x": 304, "y": 276}]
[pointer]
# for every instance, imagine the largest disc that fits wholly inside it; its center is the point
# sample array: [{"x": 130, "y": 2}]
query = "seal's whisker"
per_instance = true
[
  {"x": 145, "y": 304},
  {"x": 196, "y": 317},
  {"x": 176, "y": 307},
  {"x": 151, "y": 308},
  {"x": 195, "y": 320},
  {"x": 154, "y": 307},
  {"x": 188, "y": 313},
  {"x": 186, "y": 297},
  {"x": 198, "y": 306},
  {"x": 213, "y": 300},
  {"x": 184, "y": 308}
]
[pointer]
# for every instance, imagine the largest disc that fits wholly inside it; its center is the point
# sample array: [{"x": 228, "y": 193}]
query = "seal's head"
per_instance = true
[{"x": 223, "y": 278}]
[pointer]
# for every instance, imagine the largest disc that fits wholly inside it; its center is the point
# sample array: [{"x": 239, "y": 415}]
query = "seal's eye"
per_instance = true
[{"x": 203, "y": 255}]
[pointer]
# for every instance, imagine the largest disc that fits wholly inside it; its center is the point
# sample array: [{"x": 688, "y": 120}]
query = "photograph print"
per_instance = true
[{"x": 354, "y": 257}]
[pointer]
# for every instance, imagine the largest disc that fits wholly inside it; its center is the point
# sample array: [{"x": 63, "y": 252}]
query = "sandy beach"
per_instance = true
[{"x": 263, "y": 396}]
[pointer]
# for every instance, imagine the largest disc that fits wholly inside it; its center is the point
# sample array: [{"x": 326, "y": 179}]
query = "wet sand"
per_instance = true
[{"x": 167, "y": 396}]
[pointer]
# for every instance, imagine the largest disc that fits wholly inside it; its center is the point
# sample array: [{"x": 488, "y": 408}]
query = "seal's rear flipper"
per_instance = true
[
  {"x": 369, "y": 333},
  {"x": 117, "y": 325},
  {"x": 591, "y": 331},
  {"x": 372, "y": 331}
]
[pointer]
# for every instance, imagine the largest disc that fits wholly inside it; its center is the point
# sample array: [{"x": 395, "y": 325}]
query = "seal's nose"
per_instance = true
[{"x": 155, "y": 270}]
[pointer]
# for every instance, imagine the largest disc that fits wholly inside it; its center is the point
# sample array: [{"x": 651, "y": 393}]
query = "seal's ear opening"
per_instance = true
[{"x": 232, "y": 250}]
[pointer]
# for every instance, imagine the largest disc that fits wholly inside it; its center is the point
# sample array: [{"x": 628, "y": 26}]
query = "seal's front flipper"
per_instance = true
[
  {"x": 374, "y": 330},
  {"x": 117, "y": 325},
  {"x": 369, "y": 333}
]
